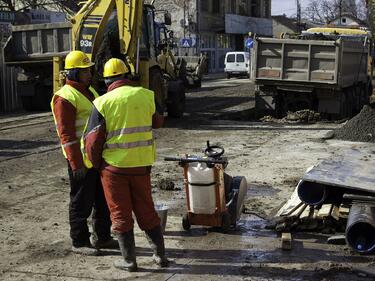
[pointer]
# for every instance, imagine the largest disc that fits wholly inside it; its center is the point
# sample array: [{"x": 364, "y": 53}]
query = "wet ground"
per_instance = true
[{"x": 34, "y": 233}]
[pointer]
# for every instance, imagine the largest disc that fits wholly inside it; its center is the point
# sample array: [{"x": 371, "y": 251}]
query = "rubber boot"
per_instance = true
[
  {"x": 156, "y": 240},
  {"x": 86, "y": 249},
  {"x": 105, "y": 244},
  {"x": 127, "y": 248}
]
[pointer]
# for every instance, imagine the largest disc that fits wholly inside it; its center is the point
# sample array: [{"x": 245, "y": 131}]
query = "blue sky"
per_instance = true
[{"x": 287, "y": 7}]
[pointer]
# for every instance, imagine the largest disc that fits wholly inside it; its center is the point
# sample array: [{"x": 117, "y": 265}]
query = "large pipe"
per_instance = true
[
  {"x": 311, "y": 193},
  {"x": 360, "y": 228},
  {"x": 315, "y": 194}
]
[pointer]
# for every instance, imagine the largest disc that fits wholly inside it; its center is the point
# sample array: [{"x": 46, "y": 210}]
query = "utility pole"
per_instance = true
[
  {"x": 184, "y": 22},
  {"x": 340, "y": 11},
  {"x": 298, "y": 16}
]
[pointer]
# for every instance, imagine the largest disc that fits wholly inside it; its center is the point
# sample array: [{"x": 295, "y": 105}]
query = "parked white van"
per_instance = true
[{"x": 236, "y": 64}]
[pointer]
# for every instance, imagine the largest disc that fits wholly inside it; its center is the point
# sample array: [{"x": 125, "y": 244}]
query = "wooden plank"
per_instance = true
[
  {"x": 324, "y": 211},
  {"x": 291, "y": 205},
  {"x": 335, "y": 212},
  {"x": 344, "y": 212},
  {"x": 286, "y": 241}
]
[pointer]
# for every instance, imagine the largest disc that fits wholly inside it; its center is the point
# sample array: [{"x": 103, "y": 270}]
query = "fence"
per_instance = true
[{"x": 9, "y": 100}]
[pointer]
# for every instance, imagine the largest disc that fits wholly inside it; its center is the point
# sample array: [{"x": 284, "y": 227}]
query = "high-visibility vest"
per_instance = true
[
  {"x": 83, "y": 108},
  {"x": 128, "y": 117}
]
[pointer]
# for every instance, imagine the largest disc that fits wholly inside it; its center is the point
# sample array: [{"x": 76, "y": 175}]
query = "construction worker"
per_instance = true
[
  {"x": 119, "y": 142},
  {"x": 71, "y": 107}
]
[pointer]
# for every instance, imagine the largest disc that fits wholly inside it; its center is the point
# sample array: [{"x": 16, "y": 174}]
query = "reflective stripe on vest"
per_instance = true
[
  {"x": 128, "y": 114},
  {"x": 83, "y": 108}
]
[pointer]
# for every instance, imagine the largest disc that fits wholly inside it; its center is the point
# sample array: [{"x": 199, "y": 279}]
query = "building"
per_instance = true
[
  {"x": 348, "y": 20},
  {"x": 215, "y": 27}
]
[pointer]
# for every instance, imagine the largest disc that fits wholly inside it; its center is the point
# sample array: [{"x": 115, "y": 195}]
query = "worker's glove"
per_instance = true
[{"x": 79, "y": 175}]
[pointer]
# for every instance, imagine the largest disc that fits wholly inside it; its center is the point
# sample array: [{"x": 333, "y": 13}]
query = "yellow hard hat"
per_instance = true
[
  {"x": 114, "y": 67},
  {"x": 77, "y": 59}
]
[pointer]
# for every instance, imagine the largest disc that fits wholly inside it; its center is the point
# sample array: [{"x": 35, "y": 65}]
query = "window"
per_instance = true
[
  {"x": 204, "y": 5},
  {"x": 240, "y": 58},
  {"x": 216, "y": 6},
  {"x": 267, "y": 9},
  {"x": 230, "y": 58},
  {"x": 255, "y": 8},
  {"x": 343, "y": 20}
]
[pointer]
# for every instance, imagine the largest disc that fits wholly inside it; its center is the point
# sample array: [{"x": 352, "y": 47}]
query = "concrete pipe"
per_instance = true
[{"x": 360, "y": 228}]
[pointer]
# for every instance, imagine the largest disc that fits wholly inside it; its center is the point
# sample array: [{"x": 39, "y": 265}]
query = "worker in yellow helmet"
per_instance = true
[
  {"x": 71, "y": 107},
  {"x": 119, "y": 141}
]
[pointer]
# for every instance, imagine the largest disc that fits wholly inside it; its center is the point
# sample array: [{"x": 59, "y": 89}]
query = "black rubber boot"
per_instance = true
[
  {"x": 127, "y": 248},
  {"x": 156, "y": 240}
]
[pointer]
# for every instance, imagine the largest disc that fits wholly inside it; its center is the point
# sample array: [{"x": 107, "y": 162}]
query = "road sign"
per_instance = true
[
  {"x": 249, "y": 43},
  {"x": 186, "y": 42}
]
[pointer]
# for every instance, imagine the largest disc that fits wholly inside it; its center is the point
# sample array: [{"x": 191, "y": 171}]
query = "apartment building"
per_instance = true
[{"x": 215, "y": 27}]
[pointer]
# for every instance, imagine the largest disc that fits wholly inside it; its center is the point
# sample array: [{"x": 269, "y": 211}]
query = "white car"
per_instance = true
[{"x": 236, "y": 64}]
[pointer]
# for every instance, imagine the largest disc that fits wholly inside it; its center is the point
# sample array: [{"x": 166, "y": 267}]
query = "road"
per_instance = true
[{"x": 34, "y": 233}]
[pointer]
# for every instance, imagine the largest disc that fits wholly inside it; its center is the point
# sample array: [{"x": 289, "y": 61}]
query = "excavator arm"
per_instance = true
[{"x": 90, "y": 25}]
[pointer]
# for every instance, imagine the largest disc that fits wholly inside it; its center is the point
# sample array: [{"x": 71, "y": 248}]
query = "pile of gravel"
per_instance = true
[{"x": 360, "y": 128}]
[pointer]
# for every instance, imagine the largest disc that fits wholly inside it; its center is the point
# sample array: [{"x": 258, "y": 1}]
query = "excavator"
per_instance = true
[{"x": 102, "y": 29}]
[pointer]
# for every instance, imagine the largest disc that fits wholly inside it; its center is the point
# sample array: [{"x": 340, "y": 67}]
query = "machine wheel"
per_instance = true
[
  {"x": 177, "y": 100},
  {"x": 239, "y": 183},
  {"x": 225, "y": 222},
  {"x": 185, "y": 222}
]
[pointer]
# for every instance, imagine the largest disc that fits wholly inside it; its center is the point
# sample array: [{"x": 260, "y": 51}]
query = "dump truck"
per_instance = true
[
  {"x": 325, "y": 70},
  {"x": 101, "y": 29}
]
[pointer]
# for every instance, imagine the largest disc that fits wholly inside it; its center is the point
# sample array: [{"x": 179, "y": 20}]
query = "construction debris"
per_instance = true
[{"x": 301, "y": 116}]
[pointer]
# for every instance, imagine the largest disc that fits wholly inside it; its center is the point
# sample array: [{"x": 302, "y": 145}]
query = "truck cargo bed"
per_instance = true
[{"x": 38, "y": 42}]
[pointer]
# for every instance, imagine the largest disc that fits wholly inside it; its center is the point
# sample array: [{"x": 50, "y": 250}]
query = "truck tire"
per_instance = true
[
  {"x": 176, "y": 99},
  {"x": 185, "y": 222}
]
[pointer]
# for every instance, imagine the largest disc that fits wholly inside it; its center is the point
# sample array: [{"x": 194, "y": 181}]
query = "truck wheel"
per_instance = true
[
  {"x": 228, "y": 76},
  {"x": 176, "y": 101},
  {"x": 185, "y": 222},
  {"x": 225, "y": 222}
]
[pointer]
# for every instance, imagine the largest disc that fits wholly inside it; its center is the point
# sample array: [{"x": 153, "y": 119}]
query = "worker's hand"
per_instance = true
[{"x": 79, "y": 175}]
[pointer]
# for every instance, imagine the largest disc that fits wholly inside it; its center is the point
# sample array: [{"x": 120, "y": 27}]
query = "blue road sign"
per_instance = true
[
  {"x": 249, "y": 43},
  {"x": 186, "y": 42}
]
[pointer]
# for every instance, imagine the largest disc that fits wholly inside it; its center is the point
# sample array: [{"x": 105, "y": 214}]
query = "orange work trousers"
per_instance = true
[{"x": 128, "y": 192}]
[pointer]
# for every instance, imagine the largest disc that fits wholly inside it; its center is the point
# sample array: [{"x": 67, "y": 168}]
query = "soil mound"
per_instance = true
[{"x": 360, "y": 128}]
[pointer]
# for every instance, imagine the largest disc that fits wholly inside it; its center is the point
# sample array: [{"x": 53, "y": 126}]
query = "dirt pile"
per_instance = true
[{"x": 360, "y": 128}]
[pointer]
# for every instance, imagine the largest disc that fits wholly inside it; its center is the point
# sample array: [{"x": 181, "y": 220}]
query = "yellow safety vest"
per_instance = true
[
  {"x": 83, "y": 107},
  {"x": 128, "y": 115}
]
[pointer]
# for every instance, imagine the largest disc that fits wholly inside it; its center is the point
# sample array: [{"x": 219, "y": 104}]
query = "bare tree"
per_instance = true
[
  {"x": 323, "y": 11},
  {"x": 21, "y": 5}
]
